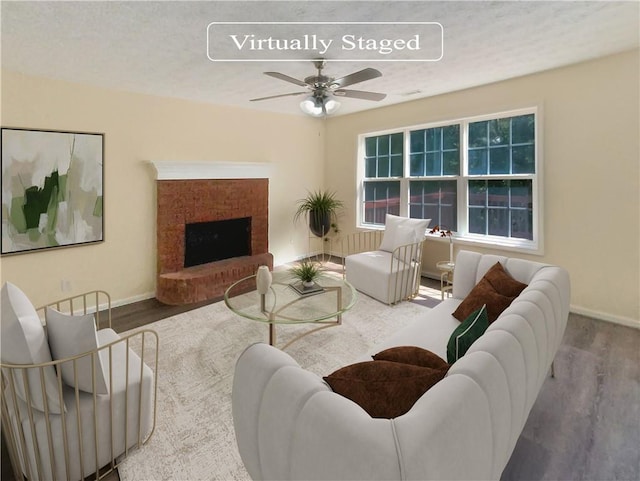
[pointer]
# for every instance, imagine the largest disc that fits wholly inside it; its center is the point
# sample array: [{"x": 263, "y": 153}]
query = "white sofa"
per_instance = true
[{"x": 290, "y": 425}]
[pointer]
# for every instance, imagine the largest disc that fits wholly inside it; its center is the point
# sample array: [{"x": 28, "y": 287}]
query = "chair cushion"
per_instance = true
[
  {"x": 466, "y": 334},
  {"x": 384, "y": 389},
  {"x": 430, "y": 331},
  {"x": 400, "y": 231},
  {"x": 413, "y": 355},
  {"x": 497, "y": 289},
  {"x": 370, "y": 272},
  {"x": 24, "y": 342},
  {"x": 73, "y": 335}
]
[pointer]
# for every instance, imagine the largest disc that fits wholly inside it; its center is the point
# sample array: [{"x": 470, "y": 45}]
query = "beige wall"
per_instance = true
[
  {"x": 139, "y": 128},
  {"x": 591, "y": 173},
  {"x": 590, "y": 120}
]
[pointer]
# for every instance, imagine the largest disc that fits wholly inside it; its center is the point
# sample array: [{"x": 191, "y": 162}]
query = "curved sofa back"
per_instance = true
[
  {"x": 290, "y": 425},
  {"x": 485, "y": 399}
]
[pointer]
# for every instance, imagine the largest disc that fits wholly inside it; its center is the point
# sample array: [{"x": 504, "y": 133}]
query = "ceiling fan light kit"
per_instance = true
[
  {"x": 321, "y": 101},
  {"x": 319, "y": 106}
]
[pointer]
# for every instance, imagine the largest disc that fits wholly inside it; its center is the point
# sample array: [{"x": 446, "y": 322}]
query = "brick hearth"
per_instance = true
[{"x": 186, "y": 201}]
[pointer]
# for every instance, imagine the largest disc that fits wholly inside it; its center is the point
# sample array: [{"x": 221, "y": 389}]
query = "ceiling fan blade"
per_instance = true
[
  {"x": 360, "y": 94},
  {"x": 286, "y": 78},
  {"x": 356, "y": 77},
  {"x": 276, "y": 96}
]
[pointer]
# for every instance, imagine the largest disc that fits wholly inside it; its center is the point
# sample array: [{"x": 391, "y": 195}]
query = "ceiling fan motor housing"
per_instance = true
[
  {"x": 318, "y": 81},
  {"x": 322, "y": 89}
]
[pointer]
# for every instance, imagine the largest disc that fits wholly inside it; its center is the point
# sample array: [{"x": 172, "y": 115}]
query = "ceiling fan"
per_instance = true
[{"x": 323, "y": 89}]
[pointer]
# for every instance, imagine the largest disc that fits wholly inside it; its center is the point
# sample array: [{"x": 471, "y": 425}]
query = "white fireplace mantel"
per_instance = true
[{"x": 176, "y": 170}]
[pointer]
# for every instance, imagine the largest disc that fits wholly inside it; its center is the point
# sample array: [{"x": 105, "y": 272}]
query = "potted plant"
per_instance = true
[
  {"x": 320, "y": 207},
  {"x": 307, "y": 271}
]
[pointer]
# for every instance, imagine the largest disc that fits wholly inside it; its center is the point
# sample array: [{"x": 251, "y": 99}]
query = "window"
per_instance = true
[
  {"x": 478, "y": 177},
  {"x": 384, "y": 160}
]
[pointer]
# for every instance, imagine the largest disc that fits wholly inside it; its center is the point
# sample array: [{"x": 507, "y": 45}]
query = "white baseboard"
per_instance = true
[
  {"x": 91, "y": 309},
  {"x": 128, "y": 300},
  {"x": 583, "y": 311},
  {"x": 131, "y": 300},
  {"x": 310, "y": 255},
  {"x": 430, "y": 275},
  {"x": 605, "y": 316}
]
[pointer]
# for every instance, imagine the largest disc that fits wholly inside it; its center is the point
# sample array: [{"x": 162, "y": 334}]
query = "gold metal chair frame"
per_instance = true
[
  {"x": 18, "y": 435},
  {"x": 407, "y": 284}
]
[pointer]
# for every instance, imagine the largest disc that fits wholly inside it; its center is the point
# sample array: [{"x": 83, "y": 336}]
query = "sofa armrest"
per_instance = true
[{"x": 289, "y": 424}]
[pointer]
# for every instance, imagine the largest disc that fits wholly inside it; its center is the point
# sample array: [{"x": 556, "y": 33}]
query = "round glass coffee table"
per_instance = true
[{"x": 286, "y": 302}]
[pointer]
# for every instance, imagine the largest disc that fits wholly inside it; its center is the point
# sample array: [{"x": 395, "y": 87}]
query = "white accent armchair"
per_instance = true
[
  {"x": 65, "y": 414},
  {"x": 386, "y": 265}
]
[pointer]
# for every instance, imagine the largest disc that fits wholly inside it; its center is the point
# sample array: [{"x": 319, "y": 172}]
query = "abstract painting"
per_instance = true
[{"x": 52, "y": 189}]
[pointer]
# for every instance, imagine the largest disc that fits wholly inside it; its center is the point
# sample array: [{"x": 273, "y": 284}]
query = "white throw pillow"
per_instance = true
[
  {"x": 391, "y": 223},
  {"x": 23, "y": 341},
  {"x": 73, "y": 335},
  {"x": 400, "y": 231}
]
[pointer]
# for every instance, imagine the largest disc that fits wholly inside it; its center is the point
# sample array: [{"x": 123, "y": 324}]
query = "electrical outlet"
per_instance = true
[{"x": 65, "y": 285}]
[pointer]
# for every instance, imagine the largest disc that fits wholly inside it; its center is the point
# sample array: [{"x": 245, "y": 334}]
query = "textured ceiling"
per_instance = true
[{"x": 160, "y": 48}]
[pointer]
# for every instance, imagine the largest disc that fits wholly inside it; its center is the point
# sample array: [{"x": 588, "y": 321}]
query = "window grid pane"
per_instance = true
[
  {"x": 502, "y": 146},
  {"x": 384, "y": 156},
  {"x": 435, "y": 151},
  {"x": 501, "y": 208},
  {"x": 381, "y": 198},
  {"x": 435, "y": 200}
]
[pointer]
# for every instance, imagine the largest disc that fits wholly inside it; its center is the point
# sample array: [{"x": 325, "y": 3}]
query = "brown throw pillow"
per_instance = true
[
  {"x": 384, "y": 389},
  {"x": 502, "y": 282},
  {"x": 496, "y": 289},
  {"x": 412, "y": 355}
]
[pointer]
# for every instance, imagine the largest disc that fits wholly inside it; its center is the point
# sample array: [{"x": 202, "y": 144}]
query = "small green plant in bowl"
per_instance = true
[{"x": 307, "y": 271}]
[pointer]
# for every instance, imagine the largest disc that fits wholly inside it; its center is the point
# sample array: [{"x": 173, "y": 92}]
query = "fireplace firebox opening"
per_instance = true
[{"x": 217, "y": 240}]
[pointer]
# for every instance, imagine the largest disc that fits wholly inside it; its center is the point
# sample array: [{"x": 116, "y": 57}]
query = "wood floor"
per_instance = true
[{"x": 585, "y": 424}]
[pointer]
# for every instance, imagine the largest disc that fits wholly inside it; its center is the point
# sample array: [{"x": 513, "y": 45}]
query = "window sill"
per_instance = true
[
  {"x": 497, "y": 243},
  {"x": 370, "y": 226}
]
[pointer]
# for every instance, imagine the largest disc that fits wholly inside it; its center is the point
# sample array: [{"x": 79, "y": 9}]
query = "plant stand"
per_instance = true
[
  {"x": 446, "y": 277},
  {"x": 321, "y": 253}
]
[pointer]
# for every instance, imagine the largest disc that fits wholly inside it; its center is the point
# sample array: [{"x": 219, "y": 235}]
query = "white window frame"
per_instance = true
[{"x": 462, "y": 235}]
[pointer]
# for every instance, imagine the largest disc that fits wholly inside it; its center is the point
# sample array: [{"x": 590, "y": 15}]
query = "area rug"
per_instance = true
[{"x": 194, "y": 437}]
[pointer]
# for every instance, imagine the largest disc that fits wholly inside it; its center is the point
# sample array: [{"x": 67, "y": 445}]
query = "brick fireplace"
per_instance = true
[{"x": 186, "y": 201}]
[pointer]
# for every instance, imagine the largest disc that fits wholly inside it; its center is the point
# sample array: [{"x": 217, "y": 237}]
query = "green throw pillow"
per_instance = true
[{"x": 466, "y": 333}]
